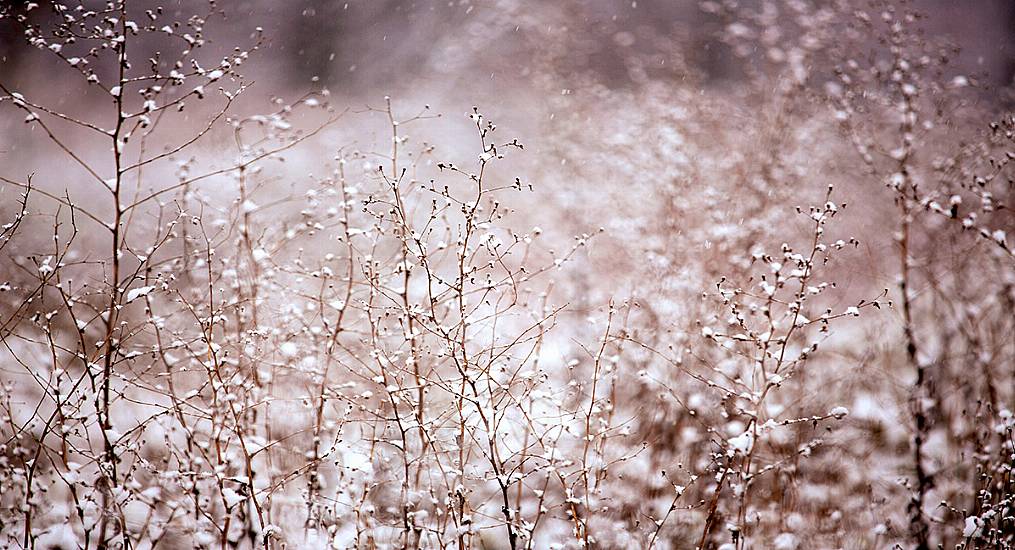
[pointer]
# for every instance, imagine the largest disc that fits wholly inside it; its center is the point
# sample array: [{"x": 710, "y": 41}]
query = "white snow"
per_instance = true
[
  {"x": 135, "y": 293},
  {"x": 742, "y": 442},
  {"x": 839, "y": 412}
]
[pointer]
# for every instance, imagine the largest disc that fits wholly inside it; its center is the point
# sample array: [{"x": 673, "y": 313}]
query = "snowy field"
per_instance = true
[{"x": 507, "y": 274}]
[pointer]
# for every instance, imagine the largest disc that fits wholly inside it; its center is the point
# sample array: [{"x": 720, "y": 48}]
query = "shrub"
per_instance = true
[{"x": 778, "y": 316}]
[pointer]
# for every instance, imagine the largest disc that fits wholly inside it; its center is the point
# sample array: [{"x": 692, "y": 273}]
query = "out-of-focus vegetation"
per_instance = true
[{"x": 730, "y": 275}]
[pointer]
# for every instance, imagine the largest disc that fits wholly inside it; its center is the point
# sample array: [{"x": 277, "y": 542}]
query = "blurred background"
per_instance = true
[
  {"x": 506, "y": 54},
  {"x": 584, "y": 85}
]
